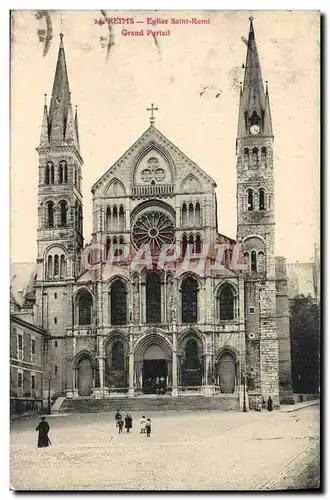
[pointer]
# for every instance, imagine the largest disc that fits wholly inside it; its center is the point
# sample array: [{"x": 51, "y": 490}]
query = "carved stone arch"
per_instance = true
[
  {"x": 84, "y": 353},
  {"x": 57, "y": 246},
  {"x": 190, "y": 274},
  {"x": 152, "y": 336},
  {"x": 112, "y": 186},
  {"x": 226, "y": 282},
  {"x": 63, "y": 197},
  {"x": 188, "y": 333},
  {"x": 120, "y": 277},
  {"x": 113, "y": 337},
  {"x": 81, "y": 289},
  {"x": 152, "y": 204},
  {"x": 191, "y": 184},
  {"x": 144, "y": 150}
]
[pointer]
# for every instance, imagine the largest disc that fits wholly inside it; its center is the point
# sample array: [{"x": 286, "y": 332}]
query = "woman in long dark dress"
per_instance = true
[
  {"x": 43, "y": 428},
  {"x": 128, "y": 422}
]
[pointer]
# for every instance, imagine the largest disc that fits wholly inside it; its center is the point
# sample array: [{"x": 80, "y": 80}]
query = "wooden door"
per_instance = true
[
  {"x": 226, "y": 371},
  {"x": 85, "y": 377}
]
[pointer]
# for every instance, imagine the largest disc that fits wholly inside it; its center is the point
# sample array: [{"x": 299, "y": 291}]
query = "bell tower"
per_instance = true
[
  {"x": 256, "y": 226},
  {"x": 60, "y": 220}
]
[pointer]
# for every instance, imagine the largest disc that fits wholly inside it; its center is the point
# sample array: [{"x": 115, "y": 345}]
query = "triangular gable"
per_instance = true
[{"x": 152, "y": 133}]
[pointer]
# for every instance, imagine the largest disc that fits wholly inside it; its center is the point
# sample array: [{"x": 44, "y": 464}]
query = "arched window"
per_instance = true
[
  {"x": 115, "y": 217},
  {"x": 263, "y": 155},
  {"x": 198, "y": 245},
  {"x": 116, "y": 251},
  {"x": 50, "y": 266},
  {"x": 50, "y": 214},
  {"x": 246, "y": 156},
  {"x": 80, "y": 219},
  {"x": 184, "y": 244},
  {"x": 60, "y": 173},
  {"x": 76, "y": 215},
  {"x": 253, "y": 261},
  {"x": 153, "y": 298},
  {"x": 191, "y": 243},
  {"x": 184, "y": 215},
  {"x": 56, "y": 266},
  {"x": 47, "y": 174},
  {"x": 250, "y": 200},
  {"x": 75, "y": 177},
  {"x": 117, "y": 356},
  {"x": 107, "y": 248},
  {"x": 262, "y": 199},
  {"x": 64, "y": 213},
  {"x": 189, "y": 290},
  {"x": 118, "y": 303},
  {"x": 62, "y": 267},
  {"x": 197, "y": 214},
  {"x": 108, "y": 219},
  {"x": 64, "y": 166},
  {"x": 255, "y": 157},
  {"x": 85, "y": 303},
  {"x": 226, "y": 302},
  {"x": 246, "y": 258},
  {"x": 191, "y": 214},
  {"x": 191, "y": 355},
  {"x": 121, "y": 218}
]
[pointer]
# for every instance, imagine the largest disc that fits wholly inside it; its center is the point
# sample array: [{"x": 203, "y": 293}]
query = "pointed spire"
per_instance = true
[
  {"x": 60, "y": 102},
  {"x": 44, "y": 136},
  {"x": 253, "y": 98},
  {"x": 76, "y": 127},
  {"x": 70, "y": 129},
  {"x": 268, "y": 128}
]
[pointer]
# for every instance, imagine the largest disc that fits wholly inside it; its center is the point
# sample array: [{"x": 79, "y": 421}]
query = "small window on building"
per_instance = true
[
  {"x": 250, "y": 200},
  {"x": 19, "y": 379},
  {"x": 55, "y": 295},
  {"x": 33, "y": 382},
  {"x": 20, "y": 342},
  {"x": 55, "y": 370},
  {"x": 253, "y": 261},
  {"x": 33, "y": 346},
  {"x": 55, "y": 343},
  {"x": 252, "y": 310},
  {"x": 55, "y": 320}
]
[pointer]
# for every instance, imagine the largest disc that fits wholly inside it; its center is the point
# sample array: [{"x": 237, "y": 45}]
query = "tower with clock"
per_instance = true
[{"x": 266, "y": 347}]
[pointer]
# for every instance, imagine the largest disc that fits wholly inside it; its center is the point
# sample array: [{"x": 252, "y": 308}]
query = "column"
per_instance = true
[
  {"x": 131, "y": 367},
  {"x": 208, "y": 387},
  {"x": 174, "y": 364},
  {"x": 101, "y": 364}
]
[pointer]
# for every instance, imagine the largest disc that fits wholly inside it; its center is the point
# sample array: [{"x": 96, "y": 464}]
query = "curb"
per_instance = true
[
  {"x": 269, "y": 485},
  {"x": 305, "y": 405}
]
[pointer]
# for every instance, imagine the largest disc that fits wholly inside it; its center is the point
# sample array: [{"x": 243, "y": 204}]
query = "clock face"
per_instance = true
[{"x": 254, "y": 129}]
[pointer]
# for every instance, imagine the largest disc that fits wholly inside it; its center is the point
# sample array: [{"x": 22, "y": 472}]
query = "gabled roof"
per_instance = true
[
  {"x": 22, "y": 276},
  {"x": 152, "y": 133}
]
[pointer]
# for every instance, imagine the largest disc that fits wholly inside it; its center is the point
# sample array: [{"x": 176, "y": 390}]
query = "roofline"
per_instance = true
[
  {"x": 26, "y": 324},
  {"x": 132, "y": 145}
]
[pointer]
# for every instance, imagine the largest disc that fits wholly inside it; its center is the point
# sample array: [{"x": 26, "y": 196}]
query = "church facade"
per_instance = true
[{"x": 160, "y": 301}]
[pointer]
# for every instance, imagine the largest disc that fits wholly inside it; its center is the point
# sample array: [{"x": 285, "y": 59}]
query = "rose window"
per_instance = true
[{"x": 154, "y": 229}]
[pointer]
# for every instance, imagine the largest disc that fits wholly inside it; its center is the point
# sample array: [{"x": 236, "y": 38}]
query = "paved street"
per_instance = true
[{"x": 186, "y": 451}]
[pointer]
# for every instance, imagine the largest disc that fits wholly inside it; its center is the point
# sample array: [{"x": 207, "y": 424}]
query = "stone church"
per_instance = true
[{"x": 196, "y": 325}]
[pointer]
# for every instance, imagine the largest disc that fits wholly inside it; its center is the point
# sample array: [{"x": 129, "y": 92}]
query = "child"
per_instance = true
[
  {"x": 148, "y": 427},
  {"x": 143, "y": 425},
  {"x": 120, "y": 424}
]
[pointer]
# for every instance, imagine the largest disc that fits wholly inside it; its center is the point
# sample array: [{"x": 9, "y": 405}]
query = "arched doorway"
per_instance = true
[
  {"x": 154, "y": 370},
  {"x": 85, "y": 377},
  {"x": 192, "y": 364},
  {"x": 227, "y": 373}
]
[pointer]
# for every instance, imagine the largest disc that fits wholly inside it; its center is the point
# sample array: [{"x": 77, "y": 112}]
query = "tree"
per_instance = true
[{"x": 305, "y": 344}]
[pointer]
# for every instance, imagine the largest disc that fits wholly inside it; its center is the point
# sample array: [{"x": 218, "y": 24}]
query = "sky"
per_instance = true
[{"x": 112, "y": 95}]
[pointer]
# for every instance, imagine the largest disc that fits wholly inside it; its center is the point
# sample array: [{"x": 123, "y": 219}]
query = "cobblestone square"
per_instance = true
[{"x": 186, "y": 451}]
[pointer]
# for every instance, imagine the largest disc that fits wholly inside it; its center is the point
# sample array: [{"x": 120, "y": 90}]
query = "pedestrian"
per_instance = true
[
  {"x": 143, "y": 425},
  {"x": 270, "y": 404},
  {"x": 128, "y": 422},
  {"x": 148, "y": 427},
  {"x": 258, "y": 403},
  {"x": 157, "y": 385},
  {"x": 43, "y": 428},
  {"x": 120, "y": 424},
  {"x": 118, "y": 415}
]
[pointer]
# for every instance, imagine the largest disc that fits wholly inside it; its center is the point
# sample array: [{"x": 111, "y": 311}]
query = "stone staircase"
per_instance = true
[{"x": 160, "y": 403}]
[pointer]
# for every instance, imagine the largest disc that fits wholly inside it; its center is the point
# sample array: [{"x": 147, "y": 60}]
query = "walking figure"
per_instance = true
[
  {"x": 148, "y": 427},
  {"x": 270, "y": 404},
  {"x": 120, "y": 424},
  {"x": 118, "y": 415},
  {"x": 43, "y": 428},
  {"x": 128, "y": 422},
  {"x": 143, "y": 425}
]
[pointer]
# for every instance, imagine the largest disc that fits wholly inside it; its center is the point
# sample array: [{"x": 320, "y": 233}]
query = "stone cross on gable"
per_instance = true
[{"x": 152, "y": 109}]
